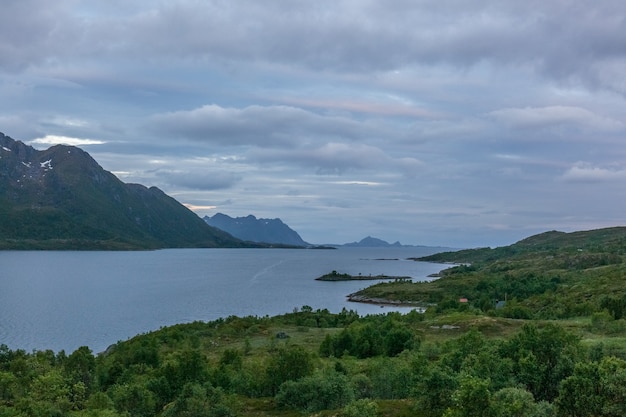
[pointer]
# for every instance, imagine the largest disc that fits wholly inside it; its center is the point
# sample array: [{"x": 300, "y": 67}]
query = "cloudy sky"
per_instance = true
[{"x": 449, "y": 122}]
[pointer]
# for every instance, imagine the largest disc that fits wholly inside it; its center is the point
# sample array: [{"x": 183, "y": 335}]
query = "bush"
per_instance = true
[
  {"x": 287, "y": 364},
  {"x": 135, "y": 399},
  {"x": 321, "y": 391},
  {"x": 368, "y": 340},
  {"x": 198, "y": 401},
  {"x": 433, "y": 393},
  {"x": 390, "y": 379},
  {"x": 517, "y": 402},
  {"x": 360, "y": 408}
]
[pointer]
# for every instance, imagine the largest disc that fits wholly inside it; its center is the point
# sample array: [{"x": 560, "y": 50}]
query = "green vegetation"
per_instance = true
[
  {"x": 538, "y": 355},
  {"x": 553, "y": 275},
  {"x": 328, "y": 364}
]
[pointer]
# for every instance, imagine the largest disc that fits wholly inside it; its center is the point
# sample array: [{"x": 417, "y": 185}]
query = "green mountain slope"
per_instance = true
[
  {"x": 589, "y": 243},
  {"x": 61, "y": 198},
  {"x": 550, "y": 275}
]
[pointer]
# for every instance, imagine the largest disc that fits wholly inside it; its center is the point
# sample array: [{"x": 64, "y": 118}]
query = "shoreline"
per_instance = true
[{"x": 356, "y": 298}]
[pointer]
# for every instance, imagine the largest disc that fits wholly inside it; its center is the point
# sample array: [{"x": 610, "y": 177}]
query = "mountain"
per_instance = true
[
  {"x": 60, "y": 198},
  {"x": 372, "y": 242},
  {"x": 251, "y": 229}
]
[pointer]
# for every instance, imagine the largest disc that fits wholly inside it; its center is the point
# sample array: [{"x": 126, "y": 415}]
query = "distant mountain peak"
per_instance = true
[
  {"x": 372, "y": 242},
  {"x": 251, "y": 229}
]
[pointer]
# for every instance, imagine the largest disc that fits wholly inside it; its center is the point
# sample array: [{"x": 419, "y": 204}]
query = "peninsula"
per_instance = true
[{"x": 336, "y": 276}]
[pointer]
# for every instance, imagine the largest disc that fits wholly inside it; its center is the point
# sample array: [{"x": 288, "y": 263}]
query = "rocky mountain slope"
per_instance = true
[
  {"x": 251, "y": 229},
  {"x": 60, "y": 198}
]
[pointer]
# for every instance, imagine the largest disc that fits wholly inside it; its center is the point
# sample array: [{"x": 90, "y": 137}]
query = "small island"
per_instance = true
[{"x": 336, "y": 276}]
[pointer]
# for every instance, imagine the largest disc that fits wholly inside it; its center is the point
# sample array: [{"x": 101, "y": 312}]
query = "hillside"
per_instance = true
[
  {"x": 60, "y": 198},
  {"x": 251, "y": 229},
  {"x": 584, "y": 243},
  {"x": 550, "y": 275},
  {"x": 455, "y": 359},
  {"x": 315, "y": 363}
]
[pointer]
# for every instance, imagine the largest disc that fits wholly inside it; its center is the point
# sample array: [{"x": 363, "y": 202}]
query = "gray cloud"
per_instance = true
[
  {"x": 337, "y": 158},
  {"x": 585, "y": 172},
  {"x": 198, "y": 180},
  {"x": 555, "y": 115},
  {"x": 386, "y": 35},
  {"x": 32, "y": 32},
  {"x": 559, "y": 39},
  {"x": 254, "y": 125},
  {"x": 468, "y": 120}
]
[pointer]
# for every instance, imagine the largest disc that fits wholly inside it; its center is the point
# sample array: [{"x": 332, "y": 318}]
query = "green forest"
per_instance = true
[
  {"x": 534, "y": 329},
  {"x": 314, "y": 362}
]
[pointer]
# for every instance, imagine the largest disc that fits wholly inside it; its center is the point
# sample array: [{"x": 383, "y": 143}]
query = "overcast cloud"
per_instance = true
[{"x": 439, "y": 123}]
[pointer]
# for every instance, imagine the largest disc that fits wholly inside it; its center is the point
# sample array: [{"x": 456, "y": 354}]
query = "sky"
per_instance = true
[{"x": 450, "y": 122}]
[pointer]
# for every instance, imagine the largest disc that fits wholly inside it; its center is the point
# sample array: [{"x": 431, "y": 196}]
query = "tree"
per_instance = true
[
  {"x": 489, "y": 365},
  {"x": 472, "y": 342},
  {"x": 229, "y": 369},
  {"x": 324, "y": 390},
  {"x": 368, "y": 341},
  {"x": 580, "y": 395},
  {"x": 49, "y": 394},
  {"x": 517, "y": 402},
  {"x": 135, "y": 399},
  {"x": 471, "y": 399},
  {"x": 390, "y": 378},
  {"x": 542, "y": 358},
  {"x": 287, "y": 364},
  {"x": 615, "y": 306},
  {"x": 188, "y": 365},
  {"x": 397, "y": 340},
  {"x": 198, "y": 401},
  {"x": 594, "y": 389},
  {"x": 8, "y": 387},
  {"x": 613, "y": 376},
  {"x": 80, "y": 367},
  {"x": 434, "y": 391}
]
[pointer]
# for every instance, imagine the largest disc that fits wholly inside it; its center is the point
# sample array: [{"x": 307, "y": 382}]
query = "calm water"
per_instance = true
[{"x": 63, "y": 300}]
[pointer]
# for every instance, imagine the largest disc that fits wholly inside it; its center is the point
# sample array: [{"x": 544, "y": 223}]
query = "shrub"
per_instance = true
[
  {"x": 360, "y": 408},
  {"x": 287, "y": 364},
  {"x": 324, "y": 390}
]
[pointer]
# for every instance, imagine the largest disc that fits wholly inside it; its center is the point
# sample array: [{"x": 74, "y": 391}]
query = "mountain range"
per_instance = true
[
  {"x": 60, "y": 198},
  {"x": 251, "y": 229},
  {"x": 275, "y": 231},
  {"x": 372, "y": 242}
]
